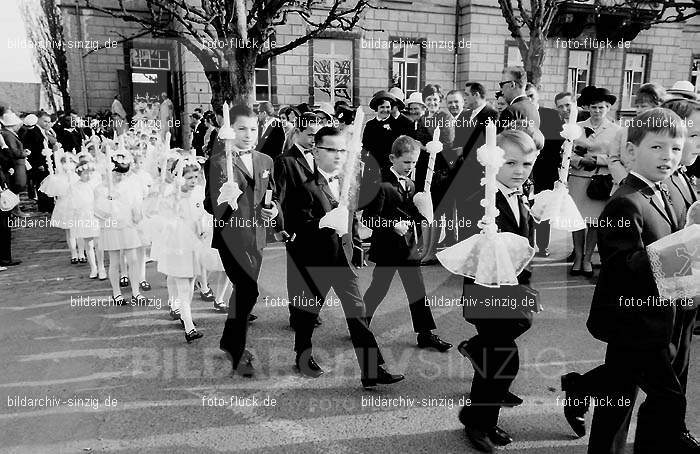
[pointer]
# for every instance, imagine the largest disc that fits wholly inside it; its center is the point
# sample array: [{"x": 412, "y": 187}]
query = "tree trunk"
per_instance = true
[
  {"x": 535, "y": 58},
  {"x": 236, "y": 82}
]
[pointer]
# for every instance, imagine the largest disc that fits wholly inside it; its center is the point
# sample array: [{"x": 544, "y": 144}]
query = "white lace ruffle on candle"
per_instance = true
[
  {"x": 557, "y": 207},
  {"x": 675, "y": 264},
  {"x": 491, "y": 259},
  {"x": 54, "y": 186}
]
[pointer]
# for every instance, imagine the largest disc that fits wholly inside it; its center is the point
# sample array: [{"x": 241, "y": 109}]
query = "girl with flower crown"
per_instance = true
[
  {"x": 143, "y": 180},
  {"x": 86, "y": 228},
  {"x": 118, "y": 207},
  {"x": 180, "y": 261}
]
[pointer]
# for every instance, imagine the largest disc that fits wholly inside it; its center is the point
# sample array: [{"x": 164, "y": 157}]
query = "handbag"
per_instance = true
[
  {"x": 8, "y": 199},
  {"x": 600, "y": 187}
]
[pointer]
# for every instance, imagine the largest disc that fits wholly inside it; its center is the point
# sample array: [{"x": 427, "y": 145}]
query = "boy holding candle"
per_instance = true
[
  {"x": 323, "y": 230},
  {"x": 493, "y": 351},
  {"x": 238, "y": 181},
  {"x": 392, "y": 216},
  {"x": 639, "y": 336}
]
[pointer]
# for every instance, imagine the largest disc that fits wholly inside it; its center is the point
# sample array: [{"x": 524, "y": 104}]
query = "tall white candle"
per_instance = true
[
  {"x": 573, "y": 114},
  {"x": 491, "y": 135},
  {"x": 227, "y": 119}
]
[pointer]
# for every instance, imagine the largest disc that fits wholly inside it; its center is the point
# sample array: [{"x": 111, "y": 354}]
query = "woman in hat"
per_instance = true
[
  {"x": 14, "y": 153},
  {"x": 379, "y": 135},
  {"x": 591, "y": 158}
]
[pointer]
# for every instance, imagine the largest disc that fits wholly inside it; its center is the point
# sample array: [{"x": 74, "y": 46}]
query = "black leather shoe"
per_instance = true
[
  {"x": 145, "y": 286},
  {"x": 511, "y": 400},
  {"x": 479, "y": 439},
  {"x": 430, "y": 340},
  {"x": 543, "y": 254},
  {"x": 688, "y": 443},
  {"x": 207, "y": 296},
  {"x": 220, "y": 307},
  {"x": 175, "y": 315},
  {"x": 252, "y": 317},
  {"x": 383, "y": 378},
  {"x": 245, "y": 365},
  {"x": 575, "y": 404},
  {"x": 311, "y": 369},
  {"x": 124, "y": 282},
  {"x": 10, "y": 262},
  {"x": 499, "y": 437},
  {"x": 192, "y": 335},
  {"x": 465, "y": 349}
]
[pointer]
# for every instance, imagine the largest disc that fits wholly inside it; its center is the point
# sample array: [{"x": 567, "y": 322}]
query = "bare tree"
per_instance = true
[
  {"x": 538, "y": 18},
  {"x": 231, "y": 37},
  {"x": 44, "y": 27}
]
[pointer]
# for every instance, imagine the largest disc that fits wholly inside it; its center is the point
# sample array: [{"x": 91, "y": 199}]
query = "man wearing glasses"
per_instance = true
[
  {"x": 520, "y": 109},
  {"x": 324, "y": 244}
]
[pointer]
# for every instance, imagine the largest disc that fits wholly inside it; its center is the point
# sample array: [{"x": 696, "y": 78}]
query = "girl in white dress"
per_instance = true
[
  {"x": 61, "y": 215},
  {"x": 118, "y": 206},
  {"x": 143, "y": 180},
  {"x": 86, "y": 227},
  {"x": 180, "y": 261}
]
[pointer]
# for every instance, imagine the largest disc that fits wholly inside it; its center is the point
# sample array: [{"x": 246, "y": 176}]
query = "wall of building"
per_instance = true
[{"x": 21, "y": 96}]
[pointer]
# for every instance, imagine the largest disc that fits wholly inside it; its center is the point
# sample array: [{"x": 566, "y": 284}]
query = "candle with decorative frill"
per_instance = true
[
  {"x": 227, "y": 135},
  {"x": 490, "y": 171},
  {"x": 353, "y": 158}
]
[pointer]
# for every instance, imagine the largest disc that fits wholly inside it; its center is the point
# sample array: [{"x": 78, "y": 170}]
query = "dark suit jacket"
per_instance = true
[
  {"x": 33, "y": 140},
  {"x": 402, "y": 125},
  {"x": 391, "y": 204},
  {"x": 546, "y": 169},
  {"x": 630, "y": 221},
  {"x": 198, "y": 137},
  {"x": 377, "y": 139},
  {"x": 317, "y": 247},
  {"x": 681, "y": 183},
  {"x": 291, "y": 171},
  {"x": 271, "y": 141},
  {"x": 71, "y": 141},
  {"x": 471, "y": 135},
  {"x": 520, "y": 109},
  {"x": 235, "y": 229},
  {"x": 506, "y": 222}
]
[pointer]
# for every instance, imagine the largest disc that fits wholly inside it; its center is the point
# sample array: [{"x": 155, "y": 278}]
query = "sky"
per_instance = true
[{"x": 15, "y": 64}]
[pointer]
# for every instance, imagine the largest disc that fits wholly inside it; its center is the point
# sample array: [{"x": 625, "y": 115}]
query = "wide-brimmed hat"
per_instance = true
[
  {"x": 415, "y": 98},
  {"x": 30, "y": 120},
  {"x": 583, "y": 99},
  {"x": 9, "y": 118},
  {"x": 381, "y": 96},
  {"x": 601, "y": 94},
  {"x": 325, "y": 109},
  {"x": 683, "y": 89}
]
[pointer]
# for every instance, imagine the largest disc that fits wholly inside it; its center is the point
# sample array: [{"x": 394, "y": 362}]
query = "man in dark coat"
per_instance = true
[{"x": 270, "y": 131}]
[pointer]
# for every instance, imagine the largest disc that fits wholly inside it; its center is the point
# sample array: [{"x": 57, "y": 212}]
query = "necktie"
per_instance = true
[
  {"x": 333, "y": 178},
  {"x": 516, "y": 192},
  {"x": 668, "y": 206},
  {"x": 243, "y": 152}
]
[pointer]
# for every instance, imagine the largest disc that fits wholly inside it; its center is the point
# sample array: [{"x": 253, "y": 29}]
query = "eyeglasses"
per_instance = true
[
  {"x": 503, "y": 83},
  {"x": 333, "y": 150}
]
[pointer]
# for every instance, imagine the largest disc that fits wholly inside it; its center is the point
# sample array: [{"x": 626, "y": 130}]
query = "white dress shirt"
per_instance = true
[
  {"x": 475, "y": 112},
  {"x": 402, "y": 179},
  {"x": 511, "y": 195},
  {"x": 308, "y": 156},
  {"x": 247, "y": 160},
  {"x": 652, "y": 185},
  {"x": 334, "y": 184}
]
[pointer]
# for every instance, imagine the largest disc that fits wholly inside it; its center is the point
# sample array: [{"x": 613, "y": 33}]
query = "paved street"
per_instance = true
[{"x": 123, "y": 378}]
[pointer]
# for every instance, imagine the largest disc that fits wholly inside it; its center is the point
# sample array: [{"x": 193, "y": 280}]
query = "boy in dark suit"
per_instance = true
[
  {"x": 392, "y": 216},
  {"x": 324, "y": 255},
  {"x": 293, "y": 168},
  {"x": 626, "y": 311},
  {"x": 493, "y": 351},
  {"x": 240, "y": 221}
]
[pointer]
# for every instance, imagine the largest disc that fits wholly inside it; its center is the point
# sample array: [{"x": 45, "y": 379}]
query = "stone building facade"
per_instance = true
[{"x": 409, "y": 42}]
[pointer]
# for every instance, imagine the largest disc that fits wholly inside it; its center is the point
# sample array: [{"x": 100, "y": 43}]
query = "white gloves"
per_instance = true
[
  {"x": 336, "y": 219},
  {"x": 230, "y": 192},
  {"x": 401, "y": 227},
  {"x": 424, "y": 203}
]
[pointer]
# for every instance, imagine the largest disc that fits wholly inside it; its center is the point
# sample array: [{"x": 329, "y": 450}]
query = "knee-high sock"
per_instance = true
[
  {"x": 132, "y": 269},
  {"x": 185, "y": 288},
  {"x": 172, "y": 294},
  {"x": 222, "y": 287},
  {"x": 114, "y": 272},
  {"x": 141, "y": 263},
  {"x": 72, "y": 244},
  {"x": 90, "y": 253},
  {"x": 99, "y": 254}
]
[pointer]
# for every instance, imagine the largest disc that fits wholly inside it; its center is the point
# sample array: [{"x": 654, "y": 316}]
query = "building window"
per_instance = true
[
  {"x": 332, "y": 70},
  {"x": 513, "y": 57},
  {"x": 263, "y": 87},
  {"x": 150, "y": 59},
  {"x": 579, "y": 71},
  {"x": 633, "y": 77},
  {"x": 695, "y": 73},
  {"x": 406, "y": 66}
]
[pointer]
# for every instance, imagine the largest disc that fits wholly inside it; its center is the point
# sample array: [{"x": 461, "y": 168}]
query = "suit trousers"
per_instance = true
[
  {"x": 616, "y": 383},
  {"x": 242, "y": 268},
  {"x": 496, "y": 363},
  {"x": 304, "y": 310},
  {"x": 412, "y": 280},
  {"x": 5, "y": 237},
  {"x": 44, "y": 202},
  {"x": 542, "y": 234}
]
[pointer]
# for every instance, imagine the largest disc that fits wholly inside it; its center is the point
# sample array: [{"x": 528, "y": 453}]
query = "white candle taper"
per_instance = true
[
  {"x": 354, "y": 151},
  {"x": 431, "y": 163}
]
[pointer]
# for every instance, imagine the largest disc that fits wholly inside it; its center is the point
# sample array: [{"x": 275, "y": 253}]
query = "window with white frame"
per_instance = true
[
  {"x": 332, "y": 70},
  {"x": 263, "y": 85},
  {"x": 579, "y": 71},
  {"x": 634, "y": 74},
  {"x": 695, "y": 74},
  {"x": 406, "y": 65},
  {"x": 150, "y": 59}
]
